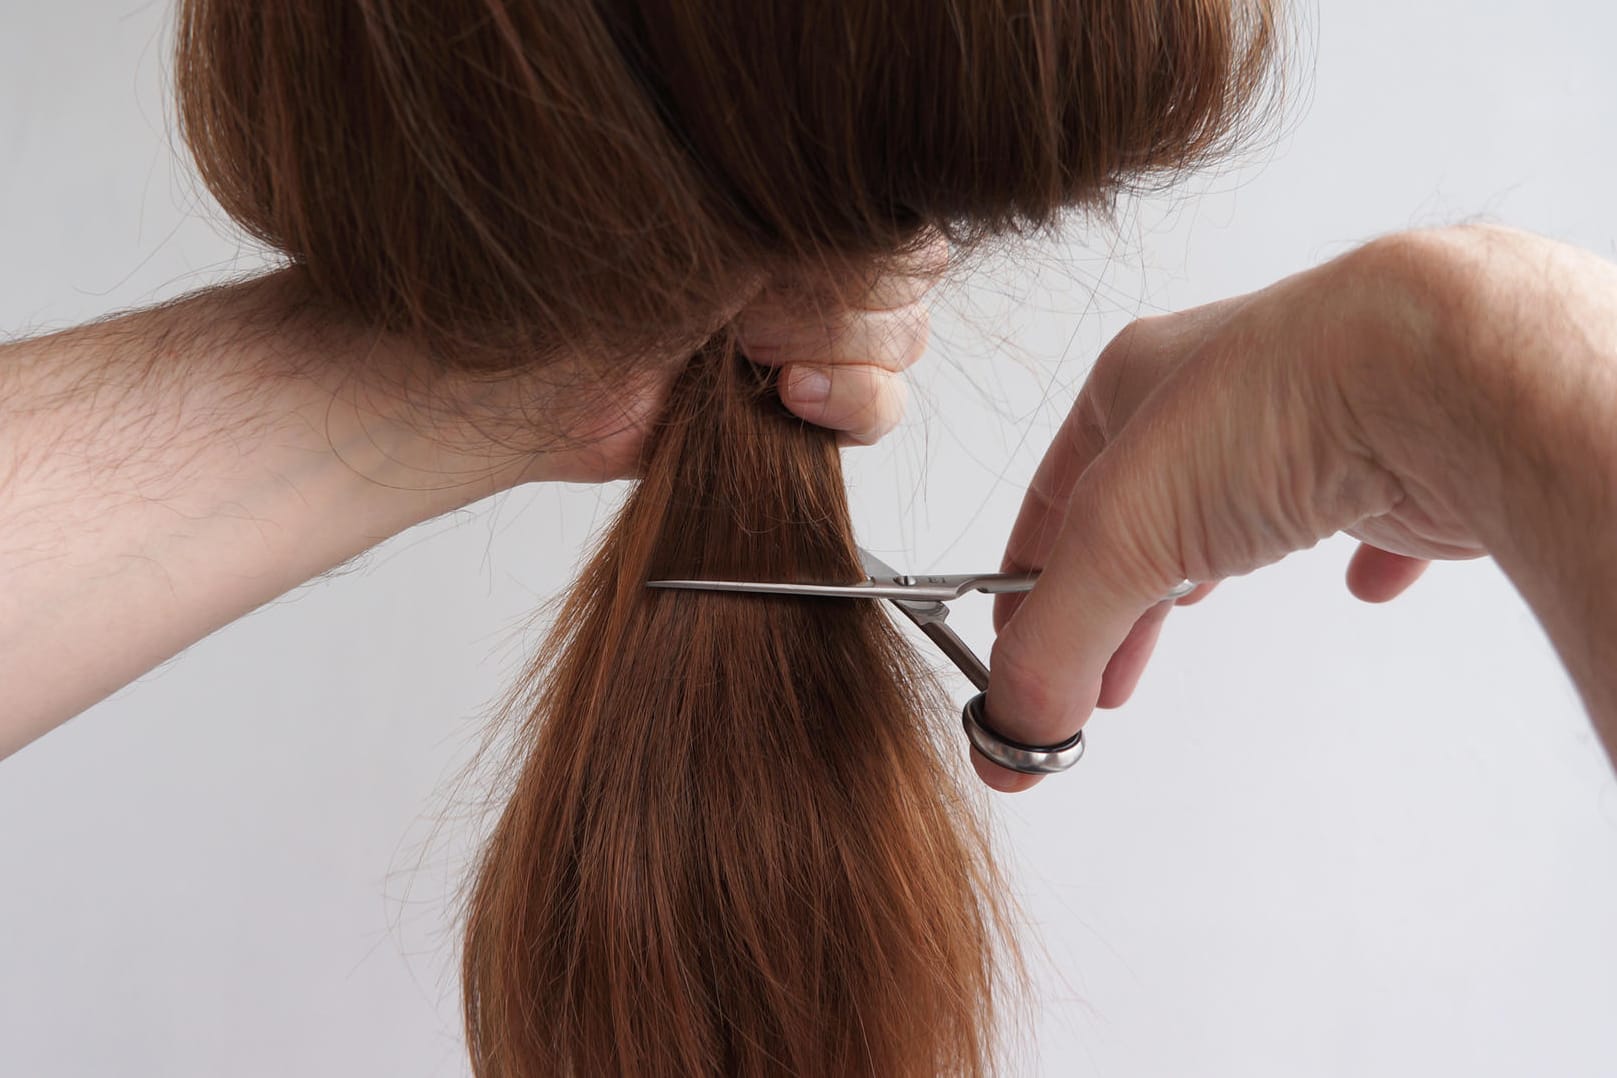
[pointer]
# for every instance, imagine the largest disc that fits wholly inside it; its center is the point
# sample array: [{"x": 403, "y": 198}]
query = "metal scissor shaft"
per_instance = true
[
  {"x": 918, "y": 588},
  {"x": 959, "y": 653}
]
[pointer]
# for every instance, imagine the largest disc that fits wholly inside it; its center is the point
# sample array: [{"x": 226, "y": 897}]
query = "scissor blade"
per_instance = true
[{"x": 874, "y": 566}]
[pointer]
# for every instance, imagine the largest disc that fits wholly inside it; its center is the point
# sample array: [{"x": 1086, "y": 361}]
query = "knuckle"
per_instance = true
[
  {"x": 779, "y": 338},
  {"x": 1133, "y": 341},
  {"x": 892, "y": 414},
  {"x": 879, "y": 408},
  {"x": 920, "y": 333},
  {"x": 887, "y": 340},
  {"x": 911, "y": 277},
  {"x": 1134, "y": 361},
  {"x": 814, "y": 341}
]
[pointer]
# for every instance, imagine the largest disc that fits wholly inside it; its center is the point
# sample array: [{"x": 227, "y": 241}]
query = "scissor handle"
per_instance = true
[{"x": 1015, "y": 755}]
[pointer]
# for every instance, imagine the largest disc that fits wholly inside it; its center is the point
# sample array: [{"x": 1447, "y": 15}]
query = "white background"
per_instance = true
[{"x": 1324, "y": 839}]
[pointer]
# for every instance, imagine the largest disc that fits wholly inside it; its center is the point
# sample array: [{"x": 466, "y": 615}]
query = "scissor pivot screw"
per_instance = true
[{"x": 908, "y": 581}]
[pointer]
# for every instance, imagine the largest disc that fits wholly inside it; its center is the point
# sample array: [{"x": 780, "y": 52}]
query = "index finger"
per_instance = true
[
  {"x": 1044, "y": 507},
  {"x": 1128, "y": 370}
]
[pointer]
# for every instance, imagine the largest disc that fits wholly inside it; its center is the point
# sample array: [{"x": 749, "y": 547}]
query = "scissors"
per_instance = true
[{"x": 922, "y": 599}]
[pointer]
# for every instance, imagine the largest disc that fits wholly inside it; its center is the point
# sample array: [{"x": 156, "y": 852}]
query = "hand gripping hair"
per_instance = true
[{"x": 735, "y": 844}]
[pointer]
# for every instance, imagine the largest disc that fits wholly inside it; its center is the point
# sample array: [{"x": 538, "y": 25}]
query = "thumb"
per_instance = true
[{"x": 1110, "y": 565}]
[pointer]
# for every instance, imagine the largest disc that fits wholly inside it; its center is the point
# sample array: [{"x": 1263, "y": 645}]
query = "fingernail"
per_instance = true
[{"x": 809, "y": 385}]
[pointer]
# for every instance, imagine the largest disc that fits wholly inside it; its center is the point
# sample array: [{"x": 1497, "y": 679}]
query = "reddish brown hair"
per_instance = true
[
  {"x": 733, "y": 845},
  {"x": 733, "y": 848}
]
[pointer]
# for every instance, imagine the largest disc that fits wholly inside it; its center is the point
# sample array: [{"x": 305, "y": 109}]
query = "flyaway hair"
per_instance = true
[{"x": 737, "y": 842}]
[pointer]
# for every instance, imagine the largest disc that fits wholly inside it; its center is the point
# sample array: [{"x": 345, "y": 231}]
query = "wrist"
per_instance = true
[
  {"x": 1511, "y": 422},
  {"x": 1485, "y": 375},
  {"x": 408, "y": 439},
  {"x": 1526, "y": 338},
  {"x": 1559, "y": 494}
]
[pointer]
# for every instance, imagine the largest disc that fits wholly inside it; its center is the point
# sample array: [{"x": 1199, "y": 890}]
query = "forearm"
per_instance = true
[
  {"x": 1560, "y": 547},
  {"x": 167, "y": 471},
  {"x": 1532, "y": 331}
]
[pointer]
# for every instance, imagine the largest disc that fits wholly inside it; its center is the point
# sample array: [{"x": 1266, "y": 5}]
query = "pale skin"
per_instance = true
[
  {"x": 1438, "y": 395},
  {"x": 1443, "y": 394},
  {"x": 165, "y": 472}
]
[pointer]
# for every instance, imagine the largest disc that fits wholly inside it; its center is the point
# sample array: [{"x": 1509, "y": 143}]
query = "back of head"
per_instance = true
[
  {"x": 504, "y": 175},
  {"x": 733, "y": 846}
]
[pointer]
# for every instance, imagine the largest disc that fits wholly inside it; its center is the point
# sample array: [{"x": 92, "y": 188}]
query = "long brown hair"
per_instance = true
[{"x": 733, "y": 845}]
